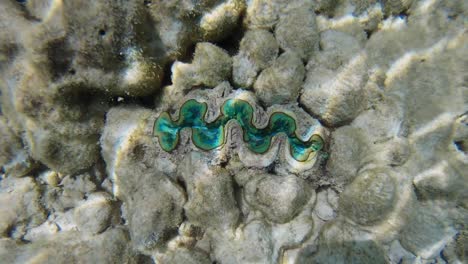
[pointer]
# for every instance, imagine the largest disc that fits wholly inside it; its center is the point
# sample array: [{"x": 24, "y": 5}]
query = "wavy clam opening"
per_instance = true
[{"x": 208, "y": 136}]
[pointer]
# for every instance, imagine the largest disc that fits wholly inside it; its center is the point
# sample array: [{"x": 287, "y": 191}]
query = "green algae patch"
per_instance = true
[{"x": 208, "y": 136}]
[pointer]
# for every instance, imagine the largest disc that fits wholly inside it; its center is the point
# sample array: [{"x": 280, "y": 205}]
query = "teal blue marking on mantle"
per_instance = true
[{"x": 208, "y": 136}]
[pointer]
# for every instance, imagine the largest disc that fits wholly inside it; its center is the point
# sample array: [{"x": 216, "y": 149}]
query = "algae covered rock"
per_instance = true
[
  {"x": 340, "y": 243},
  {"x": 347, "y": 147},
  {"x": 163, "y": 199},
  {"x": 14, "y": 159},
  {"x": 262, "y": 14},
  {"x": 258, "y": 49},
  {"x": 337, "y": 48},
  {"x": 95, "y": 214},
  {"x": 183, "y": 255},
  {"x": 298, "y": 22},
  {"x": 334, "y": 89},
  {"x": 157, "y": 224},
  {"x": 256, "y": 245},
  {"x": 210, "y": 192},
  {"x": 210, "y": 66},
  {"x": 441, "y": 181},
  {"x": 65, "y": 69},
  {"x": 369, "y": 197},
  {"x": 426, "y": 233},
  {"x": 280, "y": 198},
  {"x": 336, "y": 97},
  {"x": 222, "y": 19},
  {"x": 396, "y": 7},
  {"x": 20, "y": 206},
  {"x": 281, "y": 82},
  {"x": 108, "y": 247},
  {"x": 68, "y": 192}
]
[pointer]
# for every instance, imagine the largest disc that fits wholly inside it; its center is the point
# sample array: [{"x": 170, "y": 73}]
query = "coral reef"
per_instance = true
[{"x": 233, "y": 131}]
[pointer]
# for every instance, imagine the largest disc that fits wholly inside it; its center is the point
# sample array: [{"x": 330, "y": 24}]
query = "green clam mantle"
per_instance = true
[{"x": 207, "y": 136}]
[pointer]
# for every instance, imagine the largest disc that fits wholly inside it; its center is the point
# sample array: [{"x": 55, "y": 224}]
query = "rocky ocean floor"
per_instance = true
[{"x": 84, "y": 177}]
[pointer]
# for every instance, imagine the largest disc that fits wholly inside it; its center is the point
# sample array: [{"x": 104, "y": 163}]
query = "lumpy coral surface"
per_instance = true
[{"x": 233, "y": 131}]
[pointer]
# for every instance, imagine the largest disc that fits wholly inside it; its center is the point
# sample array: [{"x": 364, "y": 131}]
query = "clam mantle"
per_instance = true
[{"x": 211, "y": 135}]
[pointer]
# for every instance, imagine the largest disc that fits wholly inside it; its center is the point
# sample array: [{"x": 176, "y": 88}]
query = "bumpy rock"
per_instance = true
[
  {"x": 133, "y": 167},
  {"x": 337, "y": 48},
  {"x": 441, "y": 181},
  {"x": 210, "y": 192},
  {"x": 281, "y": 82},
  {"x": 339, "y": 243},
  {"x": 325, "y": 209},
  {"x": 460, "y": 136},
  {"x": 347, "y": 147},
  {"x": 14, "y": 159},
  {"x": 159, "y": 222},
  {"x": 258, "y": 49},
  {"x": 381, "y": 122},
  {"x": 336, "y": 98},
  {"x": 69, "y": 193},
  {"x": 183, "y": 255},
  {"x": 426, "y": 232},
  {"x": 95, "y": 214},
  {"x": 294, "y": 232},
  {"x": 260, "y": 46},
  {"x": 298, "y": 22},
  {"x": 455, "y": 250},
  {"x": 262, "y": 14},
  {"x": 219, "y": 21},
  {"x": 396, "y": 7},
  {"x": 348, "y": 252},
  {"x": 425, "y": 100},
  {"x": 369, "y": 197},
  {"x": 69, "y": 60},
  {"x": 361, "y": 6},
  {"x": 255, "y": 244},
  {"x": 326, "y": 6},
  {"x": 460, "y": 249},
  {"x": 280, "y": 198},
  {"x": 69, "y": 247},
  {"x": 176, "y": 24},
  {"x": 211, "y": 65},
  {"x": 20, "y": 207}
]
